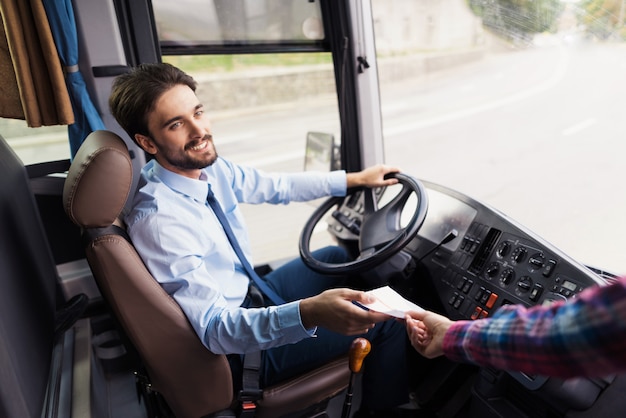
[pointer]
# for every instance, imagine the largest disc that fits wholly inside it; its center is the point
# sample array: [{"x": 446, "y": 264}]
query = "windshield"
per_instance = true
[{"x": 517, "y": 104}]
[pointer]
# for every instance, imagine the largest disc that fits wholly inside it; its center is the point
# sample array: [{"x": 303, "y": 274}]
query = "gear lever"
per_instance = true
[{"x": 359, "y": 349}]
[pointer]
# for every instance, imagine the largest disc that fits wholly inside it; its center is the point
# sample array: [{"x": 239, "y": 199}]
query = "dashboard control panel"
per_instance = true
[
  {"x": 498, "y": 262},
  {"x": 492, "y": 261}
]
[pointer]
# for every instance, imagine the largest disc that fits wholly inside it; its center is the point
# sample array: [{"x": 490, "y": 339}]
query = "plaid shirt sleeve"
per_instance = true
[{"x": 585, "y": 336}]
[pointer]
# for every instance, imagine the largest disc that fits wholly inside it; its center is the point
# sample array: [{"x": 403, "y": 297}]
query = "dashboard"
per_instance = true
[
  {"x": 477, "y": 259},
  {"x": 493, "y": 260}
]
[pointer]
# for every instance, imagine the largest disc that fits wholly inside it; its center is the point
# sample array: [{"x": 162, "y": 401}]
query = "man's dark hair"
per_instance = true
[{"x": 135, "y": 93}]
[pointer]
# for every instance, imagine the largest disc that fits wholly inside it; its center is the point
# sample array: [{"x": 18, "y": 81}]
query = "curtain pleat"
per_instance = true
[{"x": 33, "y": 84}]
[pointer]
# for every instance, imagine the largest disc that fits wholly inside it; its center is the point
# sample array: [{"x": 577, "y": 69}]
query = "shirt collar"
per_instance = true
[{"x": 197, "y": 189}]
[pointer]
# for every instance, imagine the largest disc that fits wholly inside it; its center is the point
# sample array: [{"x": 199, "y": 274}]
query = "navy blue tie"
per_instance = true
[{"x": 260, "y": 283}]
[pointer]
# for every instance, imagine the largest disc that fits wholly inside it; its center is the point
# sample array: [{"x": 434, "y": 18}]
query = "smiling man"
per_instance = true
[{"x": 184, "y": 245}]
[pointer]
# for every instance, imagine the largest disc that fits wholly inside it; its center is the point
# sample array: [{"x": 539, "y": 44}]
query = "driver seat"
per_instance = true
[{"x": 193, "y": 381}]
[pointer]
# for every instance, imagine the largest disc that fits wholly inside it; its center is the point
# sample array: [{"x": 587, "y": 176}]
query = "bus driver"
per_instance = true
[{"x": 185, "y": 247}]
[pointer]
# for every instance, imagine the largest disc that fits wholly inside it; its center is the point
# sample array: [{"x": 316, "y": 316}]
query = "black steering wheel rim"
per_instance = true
[{"x": 377, "y": 254}]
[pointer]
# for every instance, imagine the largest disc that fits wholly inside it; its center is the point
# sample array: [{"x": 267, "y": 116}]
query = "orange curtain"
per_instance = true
[{"x": 32, "y": 83}]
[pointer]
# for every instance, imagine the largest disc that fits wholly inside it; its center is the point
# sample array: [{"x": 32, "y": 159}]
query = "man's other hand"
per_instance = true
[{"x": 334, "y": 310}]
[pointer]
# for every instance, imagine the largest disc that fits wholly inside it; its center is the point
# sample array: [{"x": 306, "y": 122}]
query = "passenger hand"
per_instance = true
[
  {"x": 372, "y": 177},
  {"x": 426, "y": 331},
  {"x": 334, "y": 310}
]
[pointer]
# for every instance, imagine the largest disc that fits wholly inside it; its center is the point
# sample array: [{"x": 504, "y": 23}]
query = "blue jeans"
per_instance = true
[{"x": 385, "y": 381}]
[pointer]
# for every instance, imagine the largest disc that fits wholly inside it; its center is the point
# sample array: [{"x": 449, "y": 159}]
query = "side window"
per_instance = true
[
  {"x": 35, "y": 145},
  {"x": 261, "y": 108},
  {"x": 266, "y": 80},
  {"x": 232, "y": 24}
]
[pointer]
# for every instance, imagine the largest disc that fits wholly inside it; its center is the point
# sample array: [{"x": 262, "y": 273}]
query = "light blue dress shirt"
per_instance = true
[{"x": 184, "y": 246}]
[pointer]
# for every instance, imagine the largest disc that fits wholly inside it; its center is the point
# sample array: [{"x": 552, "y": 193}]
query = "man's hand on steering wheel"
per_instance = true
[{"x": 374, "y": 176}]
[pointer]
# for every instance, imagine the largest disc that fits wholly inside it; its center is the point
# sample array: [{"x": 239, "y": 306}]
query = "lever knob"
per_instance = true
[{"x": 359, "y": 349}]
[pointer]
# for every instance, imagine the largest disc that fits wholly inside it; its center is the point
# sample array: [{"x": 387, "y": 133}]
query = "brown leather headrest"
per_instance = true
[{"x": 99, "y": 181}]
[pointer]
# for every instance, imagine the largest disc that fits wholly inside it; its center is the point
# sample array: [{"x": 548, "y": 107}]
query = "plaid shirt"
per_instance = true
[{"x": 585, "y": 336}]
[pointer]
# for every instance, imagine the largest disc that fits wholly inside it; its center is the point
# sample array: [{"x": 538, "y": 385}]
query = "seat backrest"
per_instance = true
[
  {"x": 28, "y": 294},
  {"x": 193, "y": 381}
]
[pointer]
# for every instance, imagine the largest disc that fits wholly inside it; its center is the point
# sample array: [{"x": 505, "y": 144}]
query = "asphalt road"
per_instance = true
[{"x": 537, "y": 134}]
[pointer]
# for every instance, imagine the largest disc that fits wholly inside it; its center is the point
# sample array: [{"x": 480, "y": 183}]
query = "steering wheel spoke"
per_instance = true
[
  {"x": 368, "y": 252},
  {"x": 384, "y": 224},
  {"x": 370, "y": 203}
]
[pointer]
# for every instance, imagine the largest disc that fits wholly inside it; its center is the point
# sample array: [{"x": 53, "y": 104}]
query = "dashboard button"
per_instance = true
[
  {"x": 537, "y": 260},
  {"x": 492, "y": 300},
  {"x": 548, "y": 268},
  {"x": 468, "y": 285},
  {"x": 518, "y": 254},
  {"x": 536, "y": 292},
  {"x": 524, "y": 284},
  {"x": 507, "y": 276},
  {"x": 485, "y": 296},
  {"x": 503, "y": 249},
  {"x": 476, "y": 313},
  {"x": 492, "y": 270}
]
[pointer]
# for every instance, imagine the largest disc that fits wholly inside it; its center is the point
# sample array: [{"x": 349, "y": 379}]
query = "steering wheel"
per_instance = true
[{"x": 380, "y": 233}]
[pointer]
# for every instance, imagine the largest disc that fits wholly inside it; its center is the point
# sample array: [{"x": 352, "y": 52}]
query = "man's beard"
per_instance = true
[{"x": 191, "y": 162}]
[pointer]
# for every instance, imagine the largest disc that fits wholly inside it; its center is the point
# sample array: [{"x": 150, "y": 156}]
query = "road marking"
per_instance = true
[
  {"x": 462, "y": 113},
  {"x": 579, "y": 127}
]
